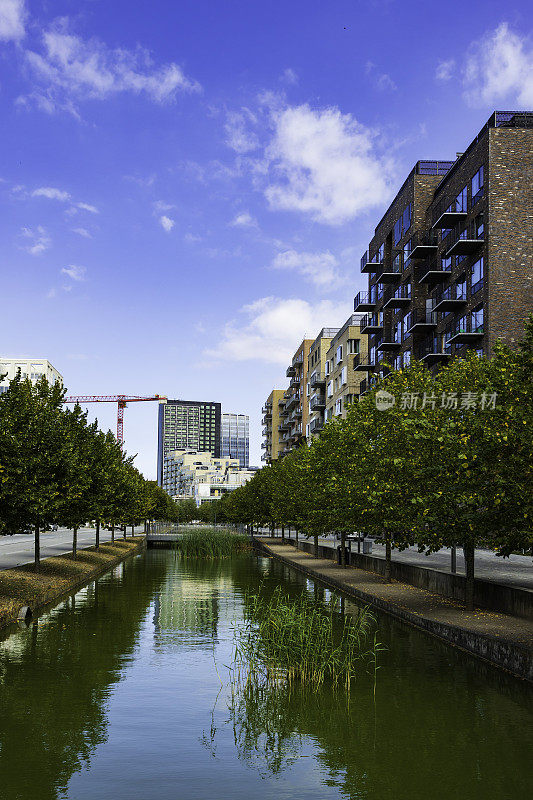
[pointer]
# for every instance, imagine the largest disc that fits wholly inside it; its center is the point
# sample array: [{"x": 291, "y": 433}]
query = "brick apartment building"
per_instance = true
[{"x": 450, "y": 265}]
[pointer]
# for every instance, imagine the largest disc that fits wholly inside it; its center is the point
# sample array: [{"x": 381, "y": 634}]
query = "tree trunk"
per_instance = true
[
  {"x": 296, "y": 537},
  {"x": 388, "y": 560},
  {"x": 468, "y": 551},
  {"x": 37, "y": 548},
  {"x": 315, "y": 537},
  {"x": 124, "y": 531},
  {"x": 283, "y": 533},
  {"x": 113, "y": 532},
  {"x": 74, "y": 542},
  {"x": 97, "y": 534},
  {"x": 132, "y": 531},
  {"x": 343, "y": 548}
]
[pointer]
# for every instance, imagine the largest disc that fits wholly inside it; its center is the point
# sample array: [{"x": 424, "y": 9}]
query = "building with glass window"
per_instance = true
[
  {"x": 32, "y": 368},
  {"x": 191, "y": 474},
  {"x": 315, "y": 388},
  {"x": 450, "y": 263},
  {"x": 271, "y": 423},
  {"x": 235, "y": 438},
  {"x": 293, "y": 406},
  {"x": 186, "y": 424},
  {"x": 343, "y": 382}
]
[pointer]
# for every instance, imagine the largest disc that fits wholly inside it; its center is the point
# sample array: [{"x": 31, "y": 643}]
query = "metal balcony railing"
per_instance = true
[
  {"x": 363, "y": 362},
  {"x": 467, "y": 240},
  {"x": 434, "y": 270},
  {"x": 371, "y": 323},
  {"x": 421, "y": 245},
  {"x": 421, "y": 321},
  {"x": 318, "y": 401},
  {"x": 468, "y": 329},
  {"x": 399, "y": 297},
  {"x": 452, "y": 297},
  {"x": 392, "y": 271},
  {"x": 317, "y": 379},
  {"x": 448, "y": 212},
  {"x": 371, "y": 264},
  {"x": 363, "y": 302}
]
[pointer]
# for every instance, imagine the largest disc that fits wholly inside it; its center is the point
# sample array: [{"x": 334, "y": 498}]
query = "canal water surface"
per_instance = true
[{"x": 120, "y": 692}]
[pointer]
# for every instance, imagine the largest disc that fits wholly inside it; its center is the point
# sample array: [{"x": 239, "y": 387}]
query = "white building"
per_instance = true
[
  {"x": 197, "y": 475},
  {"x": 32, "y": 368}
]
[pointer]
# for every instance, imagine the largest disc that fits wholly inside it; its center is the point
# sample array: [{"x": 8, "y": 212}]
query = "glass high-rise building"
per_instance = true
[
  {"x": 236, "y": 438},
  {"x": 185, "y": 424}
]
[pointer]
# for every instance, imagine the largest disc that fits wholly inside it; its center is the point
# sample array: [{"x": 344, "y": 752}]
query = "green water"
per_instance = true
[{"x": 114, "y": 694}]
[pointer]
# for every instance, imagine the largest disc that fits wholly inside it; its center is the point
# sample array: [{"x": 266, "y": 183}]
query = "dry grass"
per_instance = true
[{"x": 25, "y": 587}]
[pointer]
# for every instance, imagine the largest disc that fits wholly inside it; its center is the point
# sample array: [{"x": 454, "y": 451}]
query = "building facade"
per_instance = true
[
  {"x": 315, "y": 388},
  {"x": 186, "y": 424},
  {"x": 293, "y": 406},
  {"x": 32, "y": 368},
  {"x": 342, "y": 381},
  {"x": 191, "y": 474},
  {"x": 271, "y": 423},
  {"x": 235, "y": 438},
  {"x": 450, "y": 263}
]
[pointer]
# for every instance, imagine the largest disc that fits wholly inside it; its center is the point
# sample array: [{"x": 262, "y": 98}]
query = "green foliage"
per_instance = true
[{"x": 203, "y": 542}]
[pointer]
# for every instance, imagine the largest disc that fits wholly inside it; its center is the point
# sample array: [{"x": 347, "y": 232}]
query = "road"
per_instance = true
[
  {"x": 18, "y": 549},
  {"x": 513, "y": 571}
]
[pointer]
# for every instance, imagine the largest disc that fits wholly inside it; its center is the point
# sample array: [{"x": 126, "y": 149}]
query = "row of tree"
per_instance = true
[
  {"x": 448, "y": 463},
  {"x": 56, "y": 468}
]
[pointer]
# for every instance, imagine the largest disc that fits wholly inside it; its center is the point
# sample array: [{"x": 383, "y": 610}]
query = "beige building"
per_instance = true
[
  {"x": 293, "y": 406},
  {"x": 32, "y": 368},
  {"x": 197, "y": 475},
  {"x": 315, "y": 389},
  {"x": 343, "y": 381},
  {"x": 271, "y": 423}
]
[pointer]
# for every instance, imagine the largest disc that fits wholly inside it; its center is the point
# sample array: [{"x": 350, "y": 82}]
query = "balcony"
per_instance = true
[
  {"x": 371, "y": 265},
  {"x": 283, "y": 426},
  {"x": 298, "y": 360},
  {"x": 267, "y": 409},
  {"x": 467, "y": 241},
  {"x": 392, "y": 272},
  {"x": 451, "y": 298},
  {"x": 362, "y": 363},
  {"x": 293, "y": 399},
  {"x": 398, "y": 298},
  {"x": 446, "y": 214},
  {"x": 363, "y": 302},
  {"x": 389, "y": 343},
  {"x": 290, "y": 371},
  {"x": 421, "y": 322},
  {"x": 434, "y": 271},
  {"x": 423, "y": 245},
  {"x": 294, "y": 383},
  {"x": 370, "y": 323},
  {"x": 431, "y": 351},
  {"x": 316, "y": 425},
  {"x": 317, "y": 402},
  {"x": 469, "y": 330},
  {"x": 317, "y": 380},
  {"x": 363, "y": 387}
]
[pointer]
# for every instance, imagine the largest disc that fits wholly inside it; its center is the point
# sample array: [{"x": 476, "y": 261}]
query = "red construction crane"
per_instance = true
[{"x": 121, "y": 400}]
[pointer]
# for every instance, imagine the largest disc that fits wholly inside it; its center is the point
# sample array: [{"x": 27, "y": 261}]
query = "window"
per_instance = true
[
  {"x": 408, "y": 246},
  {"x": 460, "y": 288},
  {"x": 461, "y": 200},
  {"x": 328, "y": 367},
  {"x": 338, "y": 355},
  {"x": 476, "y": 319},
  {"x": 479, "y": 227},
  {"x": 397, "y": 232},
  {"x": 338, "y": 407},
  {"x": 477, "y": 186},
  {"x": 477, "y": 276},
  {"x": 407, "y": 217},
  {"x": 407, "y": 358},
  {"x": 329, "y": 389},
  {"x": 353, "y": 346},
  {"x": 446, "y": 264},
  {"x": 344, "y": 376}
]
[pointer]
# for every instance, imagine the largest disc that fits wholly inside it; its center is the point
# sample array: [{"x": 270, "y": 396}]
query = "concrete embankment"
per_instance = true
[
  {"x": 501, "y": 639},
  {"x": 59, "y": 575}
]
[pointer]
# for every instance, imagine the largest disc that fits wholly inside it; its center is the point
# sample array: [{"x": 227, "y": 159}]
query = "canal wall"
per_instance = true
[
  {"x": 487, "y": 594},
  {"x": 23, "y": 587},
  {"x": 502, "y": 640}
]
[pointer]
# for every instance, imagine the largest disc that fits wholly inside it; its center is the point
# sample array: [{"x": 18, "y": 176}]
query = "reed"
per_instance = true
[
  {"x": 290, "y": 639},
  {"x": 211, "y": 543}
]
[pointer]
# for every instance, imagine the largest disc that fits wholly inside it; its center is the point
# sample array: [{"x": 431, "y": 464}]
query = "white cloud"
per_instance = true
[
  {"x": 320, "y": 268},
  {"x": 244, "y": 220},
  {"x": 82, "y": 232},
  {"x": 166, "y": 223},
  {"x": 39, "y": 240},
  {"x": 51, "y": 194},
  {"x": 70, "y": 69},
  {"x": 381, "y": 80},
  {"x": 445, "y": 70},
  {"x": 12, "y": 18},
  {"x": 289, "y": 76},
  {"x": 273, "y": 327},
  {"x": 499, "y": 66},
  {"x": 74, "y": 272},
  {"x": 326, "y": 165},
  {"x": 238, "y": 134},
  {"x": 81, "y": 207},
  {"x": 192, "y": 238}
]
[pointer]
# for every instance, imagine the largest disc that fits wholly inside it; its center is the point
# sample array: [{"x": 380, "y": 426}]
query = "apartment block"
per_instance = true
[
  {"x": 293, "y": 406},
  {"x": 450, "y": 263},
  {"x": 191, "y": 474},
  {"x": 235, "y": 438},
  {"x": 187, "y": 424},
  {"x": 315, "y": 389},
  {"x": 271, "y": 423},
  {"x": 343, "y": 382},
  {"x": 32, "y": 368}
]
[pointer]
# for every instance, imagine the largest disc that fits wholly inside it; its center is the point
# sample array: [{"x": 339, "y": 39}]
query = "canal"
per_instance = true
[{"x": 115, "y": 693}]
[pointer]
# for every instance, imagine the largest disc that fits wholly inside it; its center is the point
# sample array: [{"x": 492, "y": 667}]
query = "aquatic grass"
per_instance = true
[
  {"x": 284, "y": 638},
  {"x": 211, "y": 543}
]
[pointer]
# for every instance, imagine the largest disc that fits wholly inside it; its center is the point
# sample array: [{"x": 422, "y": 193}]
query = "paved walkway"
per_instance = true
[
  {"x": 514, "y": 571},
  {"x": 18, "y": 549},
  {"x": 500, "y": 638}
]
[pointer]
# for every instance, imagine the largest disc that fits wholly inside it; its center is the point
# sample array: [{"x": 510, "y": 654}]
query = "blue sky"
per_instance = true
[{"x": 187, "y": 187}]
